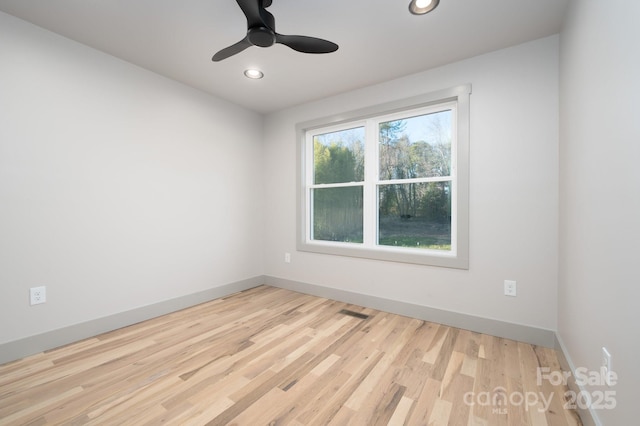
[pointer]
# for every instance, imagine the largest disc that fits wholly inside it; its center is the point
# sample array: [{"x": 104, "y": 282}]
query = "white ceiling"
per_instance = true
[{"x": 379, "y": 39}]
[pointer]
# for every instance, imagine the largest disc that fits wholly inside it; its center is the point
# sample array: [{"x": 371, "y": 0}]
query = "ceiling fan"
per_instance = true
[{"x": 261, "y": 31}]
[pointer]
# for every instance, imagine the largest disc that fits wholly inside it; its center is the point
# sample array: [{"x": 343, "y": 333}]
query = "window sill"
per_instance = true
[{"x": 446, "y": 259}]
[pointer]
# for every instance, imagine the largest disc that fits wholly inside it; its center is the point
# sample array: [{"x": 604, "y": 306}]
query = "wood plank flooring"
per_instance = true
[{"x": 269, "y": 356}]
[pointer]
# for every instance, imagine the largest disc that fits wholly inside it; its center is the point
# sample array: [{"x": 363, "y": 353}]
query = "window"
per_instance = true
[{"x": 389, "y": 182}]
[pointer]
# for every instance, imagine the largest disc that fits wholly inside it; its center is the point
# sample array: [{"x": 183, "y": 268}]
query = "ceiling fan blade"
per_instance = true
[
  {"x": 253, "y": 10},
  {"x": 231, "y": 50},
  {"x": 306, "y": 44}
]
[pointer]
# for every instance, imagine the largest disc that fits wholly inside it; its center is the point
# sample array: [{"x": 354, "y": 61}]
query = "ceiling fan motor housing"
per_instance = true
[{"x": 261, "y": 36}]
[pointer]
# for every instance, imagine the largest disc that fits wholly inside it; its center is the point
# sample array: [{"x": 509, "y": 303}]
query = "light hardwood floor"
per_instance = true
[{"x": 269, "y": 356}]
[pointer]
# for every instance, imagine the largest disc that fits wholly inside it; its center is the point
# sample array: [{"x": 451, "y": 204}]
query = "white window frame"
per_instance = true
[{"x": 458, "y": 257}]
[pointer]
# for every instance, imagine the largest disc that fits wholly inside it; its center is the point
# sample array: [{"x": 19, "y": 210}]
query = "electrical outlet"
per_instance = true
[
  {"x": 287, "y": 258},
  {"x": 510, "y": 288},
  {"x": 38, "y": 295},
  {"x": 606, "y": 366}
]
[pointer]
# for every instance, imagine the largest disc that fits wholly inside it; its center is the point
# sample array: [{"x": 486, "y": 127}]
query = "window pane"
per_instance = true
[
  {"x": 415, "y": 215},
  {"x": 339, "y": 156},
  {"x": 337, "y": 214},
  {"x": 416, "y": 147}
]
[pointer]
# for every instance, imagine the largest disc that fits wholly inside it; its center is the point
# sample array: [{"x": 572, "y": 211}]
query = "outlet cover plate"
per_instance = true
[
  {"x": 510, "y": 288},
  {"x": 606, "y": 365},
  {"x": 38, "y": 295}
]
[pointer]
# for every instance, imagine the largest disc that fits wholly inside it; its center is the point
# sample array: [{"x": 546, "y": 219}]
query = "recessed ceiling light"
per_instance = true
[
  {"x": 253, "y": 73},
  {"x": 420, "y": 7}
]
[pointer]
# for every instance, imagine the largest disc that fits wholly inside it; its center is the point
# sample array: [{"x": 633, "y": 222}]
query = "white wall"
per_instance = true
[
  {"x": 600, "y": 194},
  {"x": 118, "y": 188},
  {"x": 513, "y": 201}
]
